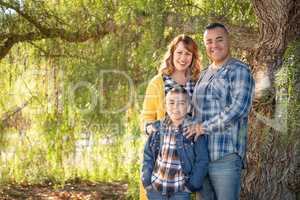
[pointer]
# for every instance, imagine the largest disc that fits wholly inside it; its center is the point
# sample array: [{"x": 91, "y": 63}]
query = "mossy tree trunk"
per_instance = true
[{"x": 272, "y": 145}]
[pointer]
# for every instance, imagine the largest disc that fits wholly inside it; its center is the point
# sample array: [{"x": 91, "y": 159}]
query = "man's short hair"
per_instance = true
[{"x": 216, "y": 25}]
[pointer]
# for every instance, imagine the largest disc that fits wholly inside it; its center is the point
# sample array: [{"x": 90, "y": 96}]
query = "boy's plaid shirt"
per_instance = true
[
  {"x": 168, "y": 177},
  {"x": 222, "y": 105}
]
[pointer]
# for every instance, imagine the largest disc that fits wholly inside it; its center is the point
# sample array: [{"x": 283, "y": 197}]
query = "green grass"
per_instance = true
[{"x": 45, "y": 155}]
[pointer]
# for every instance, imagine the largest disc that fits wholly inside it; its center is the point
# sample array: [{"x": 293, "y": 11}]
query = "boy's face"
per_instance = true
[{"x": 176, "y": 106}]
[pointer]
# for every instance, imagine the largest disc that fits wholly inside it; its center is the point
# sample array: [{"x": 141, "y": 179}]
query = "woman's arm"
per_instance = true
[{"x": 153, "y": 102}]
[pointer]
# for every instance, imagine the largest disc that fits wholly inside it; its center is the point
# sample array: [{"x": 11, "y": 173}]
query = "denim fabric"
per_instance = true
[
  {"x": 224, "y": 179},
  {"x": 193, "y": 157},
  {"x": 154, "y": 195}
]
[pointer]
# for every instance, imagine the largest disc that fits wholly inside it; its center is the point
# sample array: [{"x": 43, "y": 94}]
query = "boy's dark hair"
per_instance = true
[
  {"x": 177, "y": 89},
  {"x": 216, "y": 25}
]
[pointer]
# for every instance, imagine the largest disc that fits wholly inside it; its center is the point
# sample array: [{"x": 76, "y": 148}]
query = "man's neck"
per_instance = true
[{"x": 218, "y": 65}]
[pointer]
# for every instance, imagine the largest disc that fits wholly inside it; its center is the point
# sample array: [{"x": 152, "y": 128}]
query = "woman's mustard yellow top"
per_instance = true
[
  {"x": 154, "y": 102},
  {"x": 153, "y": 109}
]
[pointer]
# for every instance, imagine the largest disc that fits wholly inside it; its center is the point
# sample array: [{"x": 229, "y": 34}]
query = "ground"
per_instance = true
[{"x": 84, "y": 190}]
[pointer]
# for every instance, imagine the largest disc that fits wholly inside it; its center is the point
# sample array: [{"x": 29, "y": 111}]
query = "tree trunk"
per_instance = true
[{"x": 271, "y": 148}]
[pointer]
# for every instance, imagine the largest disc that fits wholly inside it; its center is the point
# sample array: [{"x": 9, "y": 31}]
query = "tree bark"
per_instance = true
[{"x": 271, "y": 150}]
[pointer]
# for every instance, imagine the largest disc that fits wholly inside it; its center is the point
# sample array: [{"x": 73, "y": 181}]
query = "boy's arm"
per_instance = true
[
  {"x": 200, "y": 166},
  {"x": 148, "y": 161}
]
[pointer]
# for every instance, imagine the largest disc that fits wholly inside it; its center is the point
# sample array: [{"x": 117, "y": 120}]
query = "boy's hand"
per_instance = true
[
  {"x": 194, "y": 130},
  {"x": 150, "y": 129}
]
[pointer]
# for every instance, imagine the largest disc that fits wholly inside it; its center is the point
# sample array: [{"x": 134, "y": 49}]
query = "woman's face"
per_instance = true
[{"x": 182, "y": 58}]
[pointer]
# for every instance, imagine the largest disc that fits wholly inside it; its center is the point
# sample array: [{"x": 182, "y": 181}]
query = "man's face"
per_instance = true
[
  {"x": 177, "y": 106},
  {"x": 217, "y": 45}
]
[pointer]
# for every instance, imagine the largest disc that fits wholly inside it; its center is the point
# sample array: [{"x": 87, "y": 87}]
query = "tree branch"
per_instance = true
[
  {"x": 10, "y": 39},
  {"x": 11, "y": 113},
  {"x": 24, "y": 15},
  {"x": 40, "y": 31}
]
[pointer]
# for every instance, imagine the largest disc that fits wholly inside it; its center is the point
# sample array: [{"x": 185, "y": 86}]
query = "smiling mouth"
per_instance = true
[
  {"x": 183, "y": 64},
  {"x": 215, "y": 51},
  {"x": 175, "y": 113}
]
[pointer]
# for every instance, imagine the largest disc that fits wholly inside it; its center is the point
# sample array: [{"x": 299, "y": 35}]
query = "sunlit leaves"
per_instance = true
[
  {"x": 233, "y": 11},
  {"x": 96, "y": 86}
]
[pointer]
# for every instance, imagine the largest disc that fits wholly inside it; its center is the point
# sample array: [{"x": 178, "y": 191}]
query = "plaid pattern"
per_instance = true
[
  {"x": 170, "y": 83},
  {"x": 222, "y": 105},
  {"x": 168, "y": 177}
]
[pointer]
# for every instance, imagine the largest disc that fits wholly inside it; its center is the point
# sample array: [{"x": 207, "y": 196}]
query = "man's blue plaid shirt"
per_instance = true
[{"x": 222, "y": 104}]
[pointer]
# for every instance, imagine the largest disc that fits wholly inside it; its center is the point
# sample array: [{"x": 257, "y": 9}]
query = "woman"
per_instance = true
[{"x": 180, "y": 66}]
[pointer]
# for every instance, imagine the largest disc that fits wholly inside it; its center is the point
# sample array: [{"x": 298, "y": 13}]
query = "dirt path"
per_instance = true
[{"x": 71, "y": 191}]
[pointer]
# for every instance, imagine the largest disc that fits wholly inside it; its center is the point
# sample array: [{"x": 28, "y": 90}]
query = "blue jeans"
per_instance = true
[
  {"x": 154, "y": 195},
  {"x": 224, "y": 179}
]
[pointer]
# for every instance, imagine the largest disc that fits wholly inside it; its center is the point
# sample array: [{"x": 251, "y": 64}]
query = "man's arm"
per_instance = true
[{"x": 242, "y": 91}]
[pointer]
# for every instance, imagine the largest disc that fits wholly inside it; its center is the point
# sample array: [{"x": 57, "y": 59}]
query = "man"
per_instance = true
[{"x": 222, "y": 100}]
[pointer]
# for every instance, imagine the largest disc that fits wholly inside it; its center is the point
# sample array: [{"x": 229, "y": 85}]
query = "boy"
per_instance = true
[{"x": 174, "y": 166}]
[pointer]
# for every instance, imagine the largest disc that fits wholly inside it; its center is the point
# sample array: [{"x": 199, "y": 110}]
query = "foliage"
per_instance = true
[
  {"x": 78, "y": 89},
  {"x": 292, "y": 61}
]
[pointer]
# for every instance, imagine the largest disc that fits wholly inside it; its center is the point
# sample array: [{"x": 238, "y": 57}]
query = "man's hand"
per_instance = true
[
  {"x": 194, "y": 130},
  {"x": 150, "y": 129}
]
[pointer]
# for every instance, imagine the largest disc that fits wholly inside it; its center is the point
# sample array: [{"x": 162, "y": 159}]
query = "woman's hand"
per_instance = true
[
  {"x": 150, "y": 128},
  {"x": 194, "y": 130}
]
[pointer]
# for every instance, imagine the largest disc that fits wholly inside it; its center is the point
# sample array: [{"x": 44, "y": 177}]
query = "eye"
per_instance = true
[
  {"x": 208, "y": 42},
  {"x": 188, "y": 53}
]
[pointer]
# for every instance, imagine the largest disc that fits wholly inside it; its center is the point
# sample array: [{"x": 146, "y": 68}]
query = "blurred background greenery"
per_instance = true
[{"x": 73, "y": 75}]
